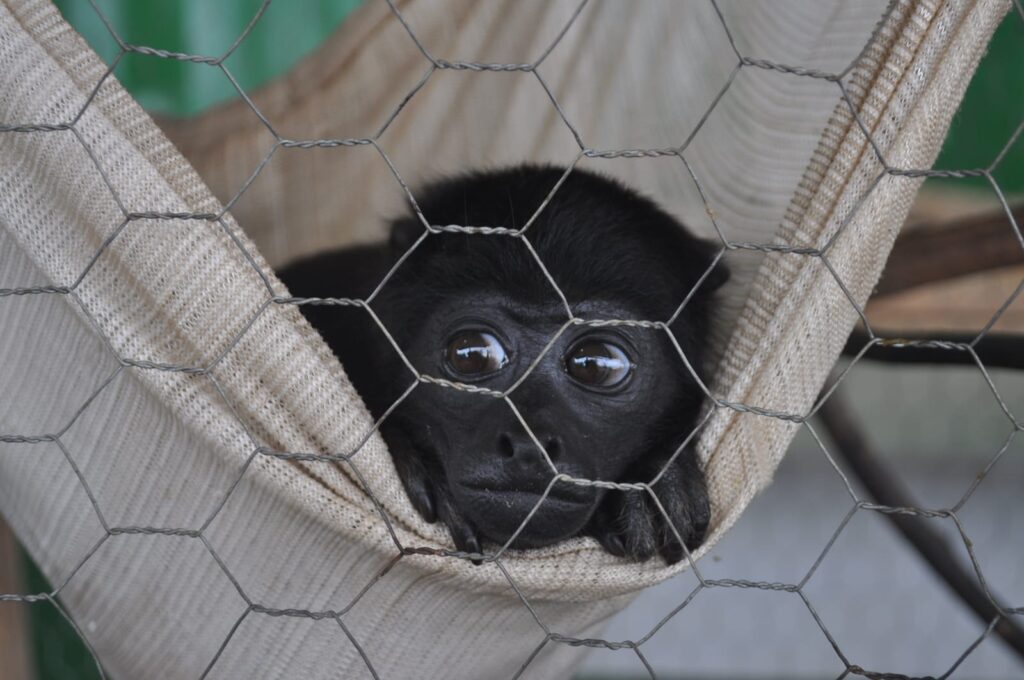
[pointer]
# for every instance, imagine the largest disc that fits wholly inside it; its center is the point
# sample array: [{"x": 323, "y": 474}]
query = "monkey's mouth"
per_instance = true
[
  {"x": 534, "y": 519},
  {"x": 518, "y": 499}
]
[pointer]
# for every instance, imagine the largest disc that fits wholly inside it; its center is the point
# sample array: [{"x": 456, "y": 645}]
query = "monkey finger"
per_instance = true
[
  {"x": 612, "y": 542},
  {"x": 463, "y": 533},
  {"x": 636, "y": 526},
  {"x": 419, "y": 487},
  {"x": 670, "y": 549},
  {"x": 421, "y": 495}
]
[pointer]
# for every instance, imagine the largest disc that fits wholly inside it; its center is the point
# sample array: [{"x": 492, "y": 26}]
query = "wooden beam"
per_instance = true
[
  {"x": 932, "y": 252},
  {"x": 14, "y": 634},
  {"x": 995, "y": 350}
]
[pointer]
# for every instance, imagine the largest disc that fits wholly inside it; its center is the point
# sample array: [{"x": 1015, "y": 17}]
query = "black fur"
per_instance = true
[{"x": 464, "y": 458}]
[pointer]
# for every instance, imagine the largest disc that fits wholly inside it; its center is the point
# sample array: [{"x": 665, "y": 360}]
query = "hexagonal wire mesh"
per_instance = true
[{"x": 196, "y": 527}]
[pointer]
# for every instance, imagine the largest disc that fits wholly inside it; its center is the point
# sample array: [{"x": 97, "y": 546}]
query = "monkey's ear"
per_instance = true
[
  {"x": 404, "y": 232},
  {"x": 720, "y": 274}
]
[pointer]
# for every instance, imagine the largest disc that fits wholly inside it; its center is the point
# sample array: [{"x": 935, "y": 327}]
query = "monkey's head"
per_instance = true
[{"x": 605, "y": 401}]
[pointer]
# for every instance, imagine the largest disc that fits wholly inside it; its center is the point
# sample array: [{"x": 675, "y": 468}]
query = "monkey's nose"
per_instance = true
[{"x": 524, "y": 450}]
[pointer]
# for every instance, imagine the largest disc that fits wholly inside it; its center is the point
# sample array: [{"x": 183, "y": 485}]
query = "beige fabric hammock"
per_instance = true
[{"x": 162, "y": 590}]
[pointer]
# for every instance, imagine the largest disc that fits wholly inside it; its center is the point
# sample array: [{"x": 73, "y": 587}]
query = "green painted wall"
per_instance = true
[
  {"x": 992, "y": 109},
  {"x": 285, "y": 33}
]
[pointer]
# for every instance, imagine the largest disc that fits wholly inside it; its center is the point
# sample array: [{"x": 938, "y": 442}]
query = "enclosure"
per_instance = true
[{"x": 198, "y": 490}]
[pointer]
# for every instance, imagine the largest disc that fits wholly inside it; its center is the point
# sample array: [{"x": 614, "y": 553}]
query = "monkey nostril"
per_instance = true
[
  {"x": 554, "y": 448},
  {"x": 506, "y": 449}
]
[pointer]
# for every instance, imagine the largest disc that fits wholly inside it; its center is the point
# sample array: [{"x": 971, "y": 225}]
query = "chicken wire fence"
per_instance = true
[{"x": 16, "y": 442}]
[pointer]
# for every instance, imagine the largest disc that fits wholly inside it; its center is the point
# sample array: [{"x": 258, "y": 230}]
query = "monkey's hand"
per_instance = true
[
  {"x": 430, "y": 494},
  {"x": 630, "y": 523}
]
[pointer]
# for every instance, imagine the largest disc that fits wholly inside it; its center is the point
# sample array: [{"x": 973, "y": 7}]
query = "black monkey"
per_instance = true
[{"x": 607, "y": 402}]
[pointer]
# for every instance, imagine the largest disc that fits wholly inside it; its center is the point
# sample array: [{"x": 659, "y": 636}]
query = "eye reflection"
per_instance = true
[
  {"x": 598, "y": 363},
  {"x": 475, "y": 353}
]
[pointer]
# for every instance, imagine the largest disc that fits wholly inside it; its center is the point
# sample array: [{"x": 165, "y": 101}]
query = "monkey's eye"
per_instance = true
[
  {"x": 598, "y": 363},
  {"x": 475, "y": 353}
]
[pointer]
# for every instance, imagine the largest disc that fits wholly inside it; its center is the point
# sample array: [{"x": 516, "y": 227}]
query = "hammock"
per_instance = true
[{"x": 168, "y": 425}]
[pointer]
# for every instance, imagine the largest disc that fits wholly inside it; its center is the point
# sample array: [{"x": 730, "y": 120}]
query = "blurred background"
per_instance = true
[{"x": 883, "y": 604}]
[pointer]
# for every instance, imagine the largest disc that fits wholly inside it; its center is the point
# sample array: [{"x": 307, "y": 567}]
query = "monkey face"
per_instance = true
[
  {"x": 513, "y": 402},
  {"x": 530, "y": 405}
]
